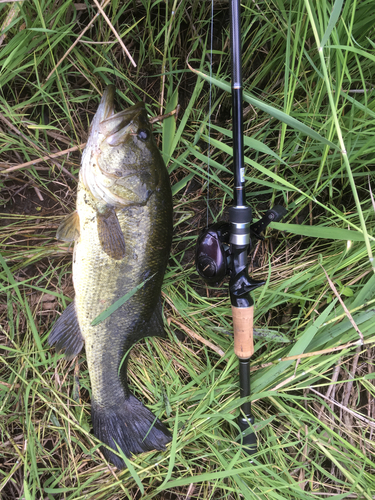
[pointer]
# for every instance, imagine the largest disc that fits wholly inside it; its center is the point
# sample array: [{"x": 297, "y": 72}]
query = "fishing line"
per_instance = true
[{"x": 209, "y": 109}]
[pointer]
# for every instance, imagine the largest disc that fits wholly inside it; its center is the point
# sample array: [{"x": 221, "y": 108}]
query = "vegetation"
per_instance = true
[{"x": 309, "y": 122}]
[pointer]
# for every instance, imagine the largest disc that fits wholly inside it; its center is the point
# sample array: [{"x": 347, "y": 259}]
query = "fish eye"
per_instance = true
[{"x": 143, "y": 135}]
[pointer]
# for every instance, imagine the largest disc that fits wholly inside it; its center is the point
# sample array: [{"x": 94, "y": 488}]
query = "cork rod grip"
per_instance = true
[{"x": 243, "y": 331}]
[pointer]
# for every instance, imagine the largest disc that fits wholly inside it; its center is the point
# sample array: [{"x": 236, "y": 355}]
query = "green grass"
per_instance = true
[{"x": 309, "y": 119}]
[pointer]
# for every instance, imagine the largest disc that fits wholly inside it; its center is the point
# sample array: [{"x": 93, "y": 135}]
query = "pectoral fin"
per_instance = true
[
  {"x": 66, "y": 334},
  {"x": 68, "y": 230},
  {"x": 110, "y": 234}
]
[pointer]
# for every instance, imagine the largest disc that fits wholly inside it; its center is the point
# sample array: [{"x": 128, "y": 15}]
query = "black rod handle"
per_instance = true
[{"x": 249, "y": 440}]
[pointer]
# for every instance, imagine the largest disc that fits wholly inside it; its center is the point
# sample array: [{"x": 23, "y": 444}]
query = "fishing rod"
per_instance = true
[{"x": 222, "y": 248}]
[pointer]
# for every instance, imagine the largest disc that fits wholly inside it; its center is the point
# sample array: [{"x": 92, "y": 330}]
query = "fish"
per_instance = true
[{"x": 122, "y": 234}]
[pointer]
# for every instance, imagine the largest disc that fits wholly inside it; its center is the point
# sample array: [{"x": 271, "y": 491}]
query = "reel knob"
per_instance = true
[{"x": 206, "y": 267}]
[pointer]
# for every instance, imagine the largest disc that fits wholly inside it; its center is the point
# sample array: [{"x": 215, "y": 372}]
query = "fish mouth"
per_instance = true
[
  {"x": 106, "y": 108},
  {"x": 115, "y": 126},
  {"x": 113, "y": 129}
]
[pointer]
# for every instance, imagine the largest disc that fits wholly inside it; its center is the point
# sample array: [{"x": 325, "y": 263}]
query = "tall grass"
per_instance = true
[{"x": 309, "y": 119}]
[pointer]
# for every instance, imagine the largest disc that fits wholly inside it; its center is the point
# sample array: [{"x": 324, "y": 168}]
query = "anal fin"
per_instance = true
[
  {"x": 66, "y": 334},
  {"x": 110, "y": 234}
]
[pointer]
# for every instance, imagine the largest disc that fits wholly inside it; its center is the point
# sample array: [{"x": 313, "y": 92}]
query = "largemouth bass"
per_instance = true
[{"x": 122, "y": 229}]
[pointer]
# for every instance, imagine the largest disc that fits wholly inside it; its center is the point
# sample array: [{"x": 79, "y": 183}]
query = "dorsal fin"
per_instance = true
[{"x": 69, "y": 229}]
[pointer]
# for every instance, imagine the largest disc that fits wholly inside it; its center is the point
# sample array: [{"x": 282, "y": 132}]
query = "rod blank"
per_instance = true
[{"x": 237, "y": 112}]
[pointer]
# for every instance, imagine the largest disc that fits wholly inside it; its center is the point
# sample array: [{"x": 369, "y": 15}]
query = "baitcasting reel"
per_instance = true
[{"x": 213, "y": 253}]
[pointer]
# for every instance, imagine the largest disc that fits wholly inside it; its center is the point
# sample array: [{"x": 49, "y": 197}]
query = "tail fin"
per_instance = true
[{"x": 132, "y": 426}]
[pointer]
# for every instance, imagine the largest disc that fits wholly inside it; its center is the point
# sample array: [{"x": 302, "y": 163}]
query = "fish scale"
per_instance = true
[{"x": 122, "y": 228}]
